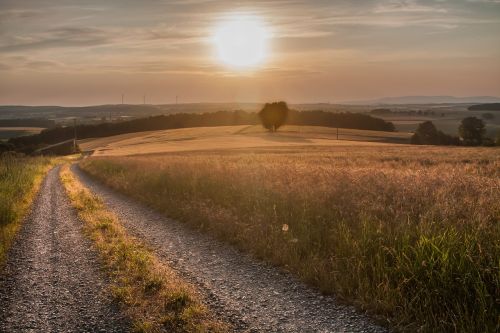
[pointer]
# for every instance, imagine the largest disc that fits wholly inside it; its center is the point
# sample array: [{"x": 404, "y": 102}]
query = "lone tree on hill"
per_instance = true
[
  {"x": 472, "y": 131},
  {"x": 273, "y": 115}
]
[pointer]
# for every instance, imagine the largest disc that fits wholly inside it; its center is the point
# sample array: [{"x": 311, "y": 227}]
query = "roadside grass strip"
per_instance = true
[
  {"x": 20, "y": 179},
  {"x": 152, "y": 294}
]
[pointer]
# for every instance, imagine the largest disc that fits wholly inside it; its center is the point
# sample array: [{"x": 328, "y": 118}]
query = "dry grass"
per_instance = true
[
  {"x": 155, "y": 298},
  {"x": 232, "y": 137},
  {"x": 409, "y": 233},
  {"x": 20, "y": 178}
]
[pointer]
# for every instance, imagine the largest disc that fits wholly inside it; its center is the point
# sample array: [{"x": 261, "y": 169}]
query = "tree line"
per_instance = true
[
  {"x": 471, "y": 132},
  {"x": 28, "y": 144}
]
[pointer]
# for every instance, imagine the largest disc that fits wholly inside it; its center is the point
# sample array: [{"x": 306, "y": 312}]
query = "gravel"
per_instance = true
[
  {"x": 252, "y": 295},
  {"x": 52, "y": 280}
]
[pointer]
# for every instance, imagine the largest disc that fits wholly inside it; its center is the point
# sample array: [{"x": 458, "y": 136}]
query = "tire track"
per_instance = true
[{"x": 52, "y": 281}]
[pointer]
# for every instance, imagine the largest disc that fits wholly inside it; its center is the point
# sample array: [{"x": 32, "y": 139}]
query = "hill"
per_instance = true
[
  {"x": 485, "y": 107},
  {"x": 402, "y": 100},
  {"x": 28, "y": 144},
  {"x": 234, "y": 137}
]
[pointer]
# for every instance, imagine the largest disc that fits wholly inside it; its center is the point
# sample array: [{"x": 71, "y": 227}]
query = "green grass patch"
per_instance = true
[{"x": 20, "y": 178}]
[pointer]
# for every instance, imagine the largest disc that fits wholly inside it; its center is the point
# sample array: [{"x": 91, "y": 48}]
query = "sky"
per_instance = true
[{"x": 91, "y": 52}]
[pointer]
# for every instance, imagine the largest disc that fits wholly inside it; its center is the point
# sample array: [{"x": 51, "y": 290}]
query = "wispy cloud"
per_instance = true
[{"x": 57, "y": 38}]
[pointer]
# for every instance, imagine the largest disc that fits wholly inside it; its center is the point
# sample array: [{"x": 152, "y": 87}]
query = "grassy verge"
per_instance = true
[
  {"x": 154, "y": 297},
  {"x": 20, "y": 178},
  {"x": 411, "y": 234}
]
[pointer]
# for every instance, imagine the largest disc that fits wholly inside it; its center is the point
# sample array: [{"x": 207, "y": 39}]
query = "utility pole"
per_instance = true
[
  {"x": 122, "y": 98},
  {"x": 144, "y": 100}
]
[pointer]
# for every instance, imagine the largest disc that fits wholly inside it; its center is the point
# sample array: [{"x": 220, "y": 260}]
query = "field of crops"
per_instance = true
[
  {"x": 408, "y": 233},
  {"x": 234, "y": 137}
]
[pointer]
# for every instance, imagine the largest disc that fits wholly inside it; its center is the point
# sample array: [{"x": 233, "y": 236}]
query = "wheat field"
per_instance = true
[
  {"x": 410, "y": 234},
  {"x": 233, "y": 137}
]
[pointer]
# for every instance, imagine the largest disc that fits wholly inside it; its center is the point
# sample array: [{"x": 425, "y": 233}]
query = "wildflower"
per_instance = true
[{"x": 285, "y": 227}]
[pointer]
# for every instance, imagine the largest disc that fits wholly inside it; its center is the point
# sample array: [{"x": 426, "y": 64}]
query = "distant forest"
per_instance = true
[
  {"x": 180, "y": 120},
  {"x": 29, "y": 122},
  {"x": 485, "y": 107}
]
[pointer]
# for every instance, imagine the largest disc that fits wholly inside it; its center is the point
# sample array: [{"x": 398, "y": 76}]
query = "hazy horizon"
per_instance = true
[
  {"x": 360, "y": 102},
  {"x": 69, "y": 53}
]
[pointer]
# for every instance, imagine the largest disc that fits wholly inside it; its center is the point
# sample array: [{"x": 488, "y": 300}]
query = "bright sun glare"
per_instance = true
[{"x": 241, "y": 41}]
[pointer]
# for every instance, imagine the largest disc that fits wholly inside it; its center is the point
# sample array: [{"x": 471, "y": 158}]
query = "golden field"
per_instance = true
[
  {"x": 409, "y": 233},
  {"x": 232, "y": 137}
]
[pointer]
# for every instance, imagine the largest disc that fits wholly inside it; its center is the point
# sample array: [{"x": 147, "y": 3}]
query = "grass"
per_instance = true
[
  {"x": 411, "y": 234},
  {"x": 20, "y": 178},
  {"x": 154, "y": 297}
]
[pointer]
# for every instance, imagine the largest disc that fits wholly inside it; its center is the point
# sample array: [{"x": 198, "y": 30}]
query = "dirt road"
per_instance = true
[
  {"x": 52, "y": 280},
  {"x": 253, "y": 296}
]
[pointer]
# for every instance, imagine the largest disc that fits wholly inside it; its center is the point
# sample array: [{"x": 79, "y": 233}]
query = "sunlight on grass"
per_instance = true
[
  {"x": 410, "y": 234},
  {"x": 154, "y": 297},
  {"x": 20, "y": 178}
]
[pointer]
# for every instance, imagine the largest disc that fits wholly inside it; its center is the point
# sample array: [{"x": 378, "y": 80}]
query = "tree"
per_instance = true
[
  {"x": 488, "y": 116},
  {"x": 472, "y": 131},
  {"x": 273, "y": 115},
  {"x": 426, "y": 134}
]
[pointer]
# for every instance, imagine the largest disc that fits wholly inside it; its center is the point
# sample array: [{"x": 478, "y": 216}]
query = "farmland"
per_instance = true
[
  {"x": 408, "y": 233},
  {"x": 11, "y": 132},
  {"x": 233, "y": 137}
]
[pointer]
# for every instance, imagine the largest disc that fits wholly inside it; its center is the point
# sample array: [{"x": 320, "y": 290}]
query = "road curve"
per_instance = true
[
  {"x": 52, "y": 281},
  {"x": 253, "y": 296}
]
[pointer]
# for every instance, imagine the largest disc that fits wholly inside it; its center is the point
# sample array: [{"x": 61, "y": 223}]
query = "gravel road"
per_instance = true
[
  {"x": 253, "y": 296},
  {"x": 52, "y": 281}
]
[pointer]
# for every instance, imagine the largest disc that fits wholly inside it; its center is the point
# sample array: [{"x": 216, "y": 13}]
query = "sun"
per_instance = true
[{"x": 241, "y": 41}]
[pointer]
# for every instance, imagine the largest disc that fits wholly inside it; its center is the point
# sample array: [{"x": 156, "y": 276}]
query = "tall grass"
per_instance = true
[
  {"x": 20, "y": 178},
  {"x": 411, "y": 234}
]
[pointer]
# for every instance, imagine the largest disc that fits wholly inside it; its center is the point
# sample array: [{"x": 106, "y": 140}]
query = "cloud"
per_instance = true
[
  {"x": 58, "y": 38},
  {"x": 41, "y": 65},
  {"x": 10, "y": 14},
  {"x": 408, "y": 6}
]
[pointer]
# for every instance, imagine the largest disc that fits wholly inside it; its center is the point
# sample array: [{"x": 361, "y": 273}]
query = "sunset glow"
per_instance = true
[
  {"x": 213, "y": 51},
  {"x": 241, "y": 42}
]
